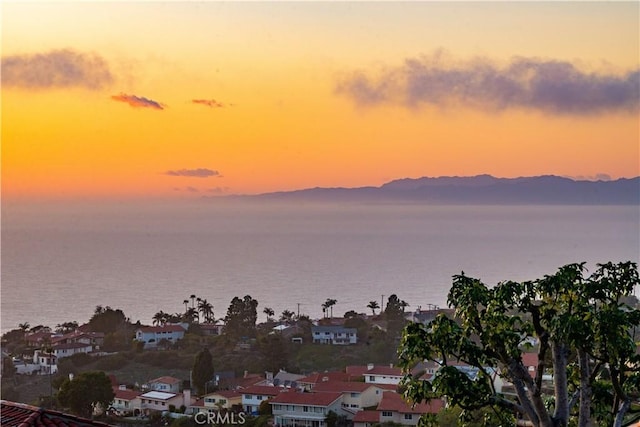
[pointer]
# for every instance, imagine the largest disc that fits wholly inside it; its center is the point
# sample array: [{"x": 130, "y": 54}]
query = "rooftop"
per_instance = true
[{"x": 20, "y": 415}]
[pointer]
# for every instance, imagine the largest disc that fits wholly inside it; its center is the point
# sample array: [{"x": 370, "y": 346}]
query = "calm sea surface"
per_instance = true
[{"x": 58, "y": 263}]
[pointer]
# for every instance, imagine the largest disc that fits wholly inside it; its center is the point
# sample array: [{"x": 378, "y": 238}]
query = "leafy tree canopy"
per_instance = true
[
  {"x": 241, "y": 317},
  {"x": 202, "y": 371},
  {"x": 86, "y": 390},
  {"x": 107, "y": 320},
  {"x": 583, "y": 335}
]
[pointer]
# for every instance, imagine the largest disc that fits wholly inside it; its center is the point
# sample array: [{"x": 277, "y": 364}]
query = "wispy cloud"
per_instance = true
[
  {"x": 550, "y": 86},
  {"x": 56, "y": 69},
  {"x": 596, "y": 177},
  {"x": 138, "y": 101},
  {"x": 194, "y": 173},
  {"x": 218, "y": 190},
  {"x": 208, "y": 102}
]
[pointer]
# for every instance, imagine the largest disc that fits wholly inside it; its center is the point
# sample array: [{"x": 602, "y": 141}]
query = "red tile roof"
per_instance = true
[
  {"x": 125, "y": 394},
  {"x": 165, "y": 380},
  {"x": 385, "y": 370},
  {"x": 342, "y": 386},
  {"x": 20, "y": 415},
  {"x": 367, "y": 417},
  {"x": 229, "y": 394},
  {"x": 70, "y": 345},
  {"x": 319, "y": 377},
  {"x": 394, "y": 402},
  {"x": 165, "y": 328},
  {"x": 313, "y": 399},
  {"x": 264, "y": 390}
]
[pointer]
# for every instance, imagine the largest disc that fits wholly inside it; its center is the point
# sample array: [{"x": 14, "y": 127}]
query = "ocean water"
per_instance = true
[{"x": 60, "y": 262}]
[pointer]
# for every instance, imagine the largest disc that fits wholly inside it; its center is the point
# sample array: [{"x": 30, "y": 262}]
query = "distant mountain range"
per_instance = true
[{"x": 480, "y": 189}]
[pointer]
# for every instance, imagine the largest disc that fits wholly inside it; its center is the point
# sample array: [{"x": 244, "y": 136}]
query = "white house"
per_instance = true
[
  {"x": 305, "y": 409},
  {"x": 166, "y": 384},
  {"x": 152, "y": 335},
  {"x": 126, "y": 402},
  {"x": 160, "y": 401},
  {"x": 254, "y": 395},
  {"x": 334, "y": 335},
  {"x": 393, "y": 408},
  {"x": 213, "y": 402},
  {"x": 382, "y": 374},
  {"x": 71, "y": 348},
  {"x": 355, "y": 395}
]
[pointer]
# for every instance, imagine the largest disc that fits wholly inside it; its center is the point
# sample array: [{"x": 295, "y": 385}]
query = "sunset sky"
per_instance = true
[{"x": 191, "y": 99}]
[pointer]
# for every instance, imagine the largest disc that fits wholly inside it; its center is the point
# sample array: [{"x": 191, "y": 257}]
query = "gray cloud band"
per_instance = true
[
  {"x": 195, "y": 173},
  {"x": 548, "y": 86},
  {"x": 56, "y": 69}
]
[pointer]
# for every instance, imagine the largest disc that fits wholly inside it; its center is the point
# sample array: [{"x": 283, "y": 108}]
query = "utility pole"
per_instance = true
[
  {"x": 381, "y": 303},
  {"x": 298, "y": 310}
]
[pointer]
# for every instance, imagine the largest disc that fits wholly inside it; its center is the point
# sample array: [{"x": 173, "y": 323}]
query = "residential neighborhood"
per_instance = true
[{"x": 332, "y": 393}]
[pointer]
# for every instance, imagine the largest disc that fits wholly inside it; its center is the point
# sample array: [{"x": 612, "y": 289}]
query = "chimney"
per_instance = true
[
  {"x": 186, "y": 394},
  {"x": 369, "y": 366},
  {"x": 122, "y": 387},
  {"x": 246, "y": 374}
]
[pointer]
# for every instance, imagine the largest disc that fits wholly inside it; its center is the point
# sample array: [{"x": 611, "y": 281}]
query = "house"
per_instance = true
[
  {"x": 305, "y": 409},
  {"x": 355, "y": 395},
  {"x": 337, "y": 335},
  {"x": 96, "y": 339},
  {"x": 19, "y": 414},
  {"x": 166, "y": 384},
  {"x": 38, "y": 339},
  {"x": 377, "y": 374},
  {"x": 366, "y": 418},
  {"x": 211, "y": 328},
  {"x": 69, "y": 349},
  {"x": 47, "y": 362},
  {"x": 393, "y": 408},
  {"x": 126, "y": 402},
  {"x": 212, "y": 402},
  {"x": 254, "y": 395},
  {"x": 161, "y": 401},
  {"x": 152, "y": 335},
  {"x": 309, "y": 382}
]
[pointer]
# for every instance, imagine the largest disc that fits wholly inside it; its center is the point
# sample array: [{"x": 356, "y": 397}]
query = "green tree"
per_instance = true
[
  {"x": 202, "y": 371},
  {"x": 328, "y": 305},
  {"x": 8, "y": 369},
  {"x": 274, "y": 351},
  {"x": 86, "y": 390},
  {"x": 241, "y": 317},
  {"x": 269, "y": 312},
  {"x": 287, "y": 316},
  {"x": 206, "y": 309},
  {"x": 584, "y": 335},
  {"x": 373, "y": 305},
  {"x": 107, "y": 320}
]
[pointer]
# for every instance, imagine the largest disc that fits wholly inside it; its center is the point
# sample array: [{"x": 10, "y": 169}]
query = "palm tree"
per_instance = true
[
  {"x": 160, "y": 318},
  {"x": 404, "y": 305},
  {"x": 186, "y": 303},
  {"x": 206, "y": 309},
  {"x": 193, "y": 297},
  {"x": 329, "y": 303},
  {"x": 373, "y": 305},
  {"x": 24, "y": 327},
  {"x": 287, "y": 316},
  {"x": 191, "y": 315},
  {"x": 269, "y": 312}
]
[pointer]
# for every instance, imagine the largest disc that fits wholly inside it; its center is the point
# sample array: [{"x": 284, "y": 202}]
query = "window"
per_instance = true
[
  {"x": 387, "y": 414},
  {"x": 408, "y": 416},
  {"x": 248, "y": 396},
  {"x": 355, "y": 394},
  {"x": 259, "y": 397},
  {"x": 305, "y": 409},
  {"x": 222, "y": 401},
  {"x": 372, "y": 378}
]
